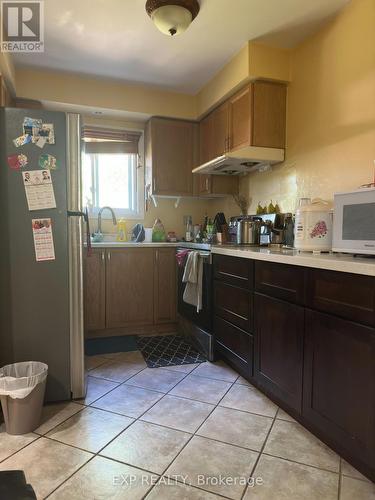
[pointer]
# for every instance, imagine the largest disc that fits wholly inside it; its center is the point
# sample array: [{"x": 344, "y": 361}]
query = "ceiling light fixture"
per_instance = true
[{"x": 172, "y": 17}]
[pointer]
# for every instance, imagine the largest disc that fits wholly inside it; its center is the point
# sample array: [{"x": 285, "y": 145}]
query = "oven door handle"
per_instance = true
[{"x": 206, "y": 255}]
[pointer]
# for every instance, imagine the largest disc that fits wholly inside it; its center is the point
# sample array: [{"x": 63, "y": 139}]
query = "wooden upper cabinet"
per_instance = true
[
  {"x": 213, "y": 142},
  {"x": 205, "y": 139},
  {"x": 269, "y": 114},
  {"x": 171, "y": 155},
  {"x": 257, "y": 116},
  {"x": 240, "y": 119},
  {"x": 220, "y": 130},
  {"x": 94, "y": 290},
  {"x": 129, "y": 287}
]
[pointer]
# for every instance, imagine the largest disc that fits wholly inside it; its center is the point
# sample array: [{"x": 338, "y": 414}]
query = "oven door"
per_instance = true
[
  {"x": 202, "y": 319},
  {"x": 354, "y": 222}
]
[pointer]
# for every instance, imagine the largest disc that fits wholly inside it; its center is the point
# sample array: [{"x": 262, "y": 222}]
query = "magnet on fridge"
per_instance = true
[
  {"x": 22, "y": 140},
  {"x": 48, "y": 162},
  {"x": 16, "y": 162}
]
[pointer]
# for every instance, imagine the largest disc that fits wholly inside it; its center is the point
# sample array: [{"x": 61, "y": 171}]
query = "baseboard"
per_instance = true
[{"x": 133, "y": 330}]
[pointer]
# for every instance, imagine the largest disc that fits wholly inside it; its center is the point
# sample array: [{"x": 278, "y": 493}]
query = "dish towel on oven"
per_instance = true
[{"x": 193, "y": 274}]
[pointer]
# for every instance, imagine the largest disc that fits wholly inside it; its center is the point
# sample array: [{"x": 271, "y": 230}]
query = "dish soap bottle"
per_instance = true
[
  {"x": 158, "y": 232},
  {"x": 121, "y": 231}
]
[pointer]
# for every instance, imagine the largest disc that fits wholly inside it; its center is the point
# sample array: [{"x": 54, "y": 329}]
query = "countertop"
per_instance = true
[
  {"x": 330, "y": 261},
  {"x": 130, "y": 244}
]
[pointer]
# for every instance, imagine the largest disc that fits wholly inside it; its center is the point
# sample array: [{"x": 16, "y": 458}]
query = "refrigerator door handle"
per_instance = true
[
  {"x": 77, "y": 213},
  {"x": 85, "y": 215}
]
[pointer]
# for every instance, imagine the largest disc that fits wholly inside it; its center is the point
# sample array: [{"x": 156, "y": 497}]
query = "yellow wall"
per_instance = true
[
  {"x": 269, "y": 62},
  {"x": 171, "y": 217},
  {"x": 234, "y": 74},
  {"x": 331, "y": 115},
  {"x": 253, "y": 61},
  {"x": 100, "y": 93}
]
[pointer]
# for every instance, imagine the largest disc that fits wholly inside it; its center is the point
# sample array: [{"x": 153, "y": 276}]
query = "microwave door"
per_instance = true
[{"x": 354, "y": 222}]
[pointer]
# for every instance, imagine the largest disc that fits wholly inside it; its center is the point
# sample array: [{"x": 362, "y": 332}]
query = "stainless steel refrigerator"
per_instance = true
[{"x": 41, "y": 303}]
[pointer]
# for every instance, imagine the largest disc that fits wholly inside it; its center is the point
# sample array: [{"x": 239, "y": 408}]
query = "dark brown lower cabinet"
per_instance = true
[
  {"x": 235, "y": 345},
  {"x": 339, "y": 385},
  {"x": 233, "y": 304},
  {"x": 317, "y": 362},
  {"x": 278, "y": 332}
]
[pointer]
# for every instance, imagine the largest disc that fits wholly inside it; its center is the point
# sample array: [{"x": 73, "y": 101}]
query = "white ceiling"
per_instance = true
[{"x": 116, "y": 38}]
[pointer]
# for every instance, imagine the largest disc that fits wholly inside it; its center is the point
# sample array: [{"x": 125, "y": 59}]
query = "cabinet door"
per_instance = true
[
  {"x": 205, "y": 139},
  {"x": 339, "y": 383},
  {"x": 165, "y": 290},
  {"x": 240, "y": 118},
  {"x": 204, "y": 184},
  {"x": 279, "y": 349},
  {"x": 94, "y": 290},
  {"x": 220, "y": 130},
  {"x": 269, "y": 114},
  {"x": 172, "y": 156},
  {"x": 129, "y": 287}
]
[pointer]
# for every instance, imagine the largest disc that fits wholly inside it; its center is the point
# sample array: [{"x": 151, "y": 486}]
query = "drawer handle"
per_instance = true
[
  {"x": 233, "y": 276},
  {"x": 234, "y": 314}
]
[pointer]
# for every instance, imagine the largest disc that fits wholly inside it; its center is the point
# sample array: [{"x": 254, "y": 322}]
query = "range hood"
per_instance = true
[{"x": 243, "y": 160}]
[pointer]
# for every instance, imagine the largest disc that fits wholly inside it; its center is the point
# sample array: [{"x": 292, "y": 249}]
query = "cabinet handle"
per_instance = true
[
  {"x": 156, "y": 255},
  {"x": 103, "y": 257},
  {"x": 153, "y": 185},
  {"x": 109, "y": 256},
  {"x": 207, "y": 186}
]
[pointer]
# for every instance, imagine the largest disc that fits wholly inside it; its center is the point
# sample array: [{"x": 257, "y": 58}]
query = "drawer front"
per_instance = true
[
  {"x": 233, "y": 338},
  {"x": 234, "y": 270},
  {"x": 350, "y": 296},
  {"x": 281, "y": 281},
  {"x": 234, "y": 305}
]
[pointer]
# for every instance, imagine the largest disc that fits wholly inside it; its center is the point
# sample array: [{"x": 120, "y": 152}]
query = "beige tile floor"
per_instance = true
[{"x": 187, "y": 432}]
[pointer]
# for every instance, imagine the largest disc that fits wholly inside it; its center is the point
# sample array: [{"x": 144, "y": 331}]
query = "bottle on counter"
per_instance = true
[
  {"x": 210, "y": 231},
  {"x": 121, "y": 231},
  {"x": 158, "y": 232},
  {"x": 189, "y": 229}
]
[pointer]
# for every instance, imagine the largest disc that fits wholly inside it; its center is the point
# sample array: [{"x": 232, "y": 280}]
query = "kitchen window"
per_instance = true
[{"x": 112, "y": 174}]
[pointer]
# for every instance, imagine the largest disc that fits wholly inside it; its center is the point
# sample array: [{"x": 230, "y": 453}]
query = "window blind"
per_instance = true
[{"x": 100, "y": 140}]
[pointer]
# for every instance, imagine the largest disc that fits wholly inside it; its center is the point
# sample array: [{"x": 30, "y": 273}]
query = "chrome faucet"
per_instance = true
[{"x": 114, "y": 220}]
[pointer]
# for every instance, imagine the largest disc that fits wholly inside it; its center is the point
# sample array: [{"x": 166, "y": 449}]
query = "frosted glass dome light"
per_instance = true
[{"x": 172, "y": 17}]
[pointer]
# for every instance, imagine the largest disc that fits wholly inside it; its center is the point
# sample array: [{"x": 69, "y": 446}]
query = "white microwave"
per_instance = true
[{"x": 354, "y": 222}]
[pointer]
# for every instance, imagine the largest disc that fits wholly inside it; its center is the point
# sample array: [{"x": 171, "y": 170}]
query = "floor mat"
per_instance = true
[
  {"x": 106, "y": 345},
  {"x": 168, "y": 350}
]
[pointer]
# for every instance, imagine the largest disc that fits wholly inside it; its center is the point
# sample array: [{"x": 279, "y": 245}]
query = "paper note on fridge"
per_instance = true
[
  {"x": 39, "y": 189},
  {"x": 43, "y": 239}
]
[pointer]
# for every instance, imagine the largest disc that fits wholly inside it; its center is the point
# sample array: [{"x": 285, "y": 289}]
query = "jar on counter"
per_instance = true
[{"x": 313, "y": 227}]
